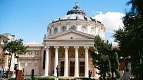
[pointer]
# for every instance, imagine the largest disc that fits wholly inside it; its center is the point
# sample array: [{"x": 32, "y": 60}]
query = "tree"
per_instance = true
[
  {"x": 105, "y": 59},
  {"x": 130, "y": 37},
  {"x": 14, "y": 48}
]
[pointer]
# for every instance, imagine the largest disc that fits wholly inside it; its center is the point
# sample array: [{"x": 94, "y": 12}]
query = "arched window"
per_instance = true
[
  {"x": 55, "y": 29},
  {"x": 63, "y": 28},
  {"x": 92, "y": 29},
  {"x": 50, "y": 32},
  {"x": 83, "y": 28},
  {"x": 73, "y": 27}
]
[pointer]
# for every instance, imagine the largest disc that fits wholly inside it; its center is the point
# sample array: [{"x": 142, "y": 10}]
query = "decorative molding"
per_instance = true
[
  {"x": 56, "y": 47},
  {"x": 66, "y": 47},
  {"x": 86, "y": 47},
  {"x": 76, "y": 47},
  {"x": 47, "y": 47}
]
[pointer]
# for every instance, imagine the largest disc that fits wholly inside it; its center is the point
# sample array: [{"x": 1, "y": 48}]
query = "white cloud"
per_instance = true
[
  {"x": 111, "y": 20},
  {"x": 112, "y": 39}
]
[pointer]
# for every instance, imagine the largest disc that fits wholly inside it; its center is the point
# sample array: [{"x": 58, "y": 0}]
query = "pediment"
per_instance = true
[{"x": 71, "y": 34}]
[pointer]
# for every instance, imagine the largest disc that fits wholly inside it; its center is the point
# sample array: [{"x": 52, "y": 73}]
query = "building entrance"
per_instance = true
[
  {"x": 62, "y": 68},
  {"x": 82, "y": 68},
  {"x": 72, "y": 64}
]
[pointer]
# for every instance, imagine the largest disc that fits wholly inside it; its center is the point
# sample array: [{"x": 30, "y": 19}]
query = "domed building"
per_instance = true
[{"x": 66, "y": 45}]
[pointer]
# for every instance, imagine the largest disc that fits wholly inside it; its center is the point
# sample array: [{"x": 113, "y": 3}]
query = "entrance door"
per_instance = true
[
  {"x": 72, "y": 68},
  {"x": 82, "y": 68},
  {"x": 62, "y": 69}
]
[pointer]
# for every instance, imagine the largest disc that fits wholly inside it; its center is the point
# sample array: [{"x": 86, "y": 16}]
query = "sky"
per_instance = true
[{"x": 28, "y": 19}]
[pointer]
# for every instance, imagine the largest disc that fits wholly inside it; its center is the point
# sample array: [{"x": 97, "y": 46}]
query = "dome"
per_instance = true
[
  {"x": 77, "y": 20},
  {"x": 75, "y": 14}
]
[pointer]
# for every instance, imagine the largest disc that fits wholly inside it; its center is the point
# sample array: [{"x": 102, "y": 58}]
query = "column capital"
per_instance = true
[
  {"x": 76, "y": 47},
  {"x": 47, "y": 47},
  {"x": 86, "y": 47},
  {"x": 56, "y": 46},
  {"x": 66, "y": 47}
]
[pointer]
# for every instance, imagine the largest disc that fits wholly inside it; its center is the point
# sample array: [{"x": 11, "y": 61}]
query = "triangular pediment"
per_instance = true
[{"x": 71, "y": 34}]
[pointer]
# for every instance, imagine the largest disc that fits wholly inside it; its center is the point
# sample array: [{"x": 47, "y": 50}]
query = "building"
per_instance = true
[
  {"x": 66, "y": 44},
  {"x": 4, "y": 58}
]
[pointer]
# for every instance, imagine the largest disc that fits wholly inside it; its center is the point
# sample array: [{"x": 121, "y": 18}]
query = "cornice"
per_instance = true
[{"x": 71, "y": 31}]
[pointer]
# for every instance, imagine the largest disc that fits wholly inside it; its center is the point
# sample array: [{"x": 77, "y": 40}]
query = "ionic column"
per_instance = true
[
  {"x": 19, "y": 66},
  {"x": 56, "y": 60},
  {"x": 47, "y": 61},
  {"x": 66, "y": 62},
  {"x": 76, "y": 74},
  {"x": 86, "y": 61},
  {"x": 12, "y": 65}
]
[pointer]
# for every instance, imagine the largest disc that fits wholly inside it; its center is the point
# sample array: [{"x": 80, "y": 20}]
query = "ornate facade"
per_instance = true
[{"x": 66, "y": 44}]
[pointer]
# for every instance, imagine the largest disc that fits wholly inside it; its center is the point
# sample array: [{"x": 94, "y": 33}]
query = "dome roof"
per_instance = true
[
  {"x": 76, "y": 10},
  {"x": 75, "y": 14}
]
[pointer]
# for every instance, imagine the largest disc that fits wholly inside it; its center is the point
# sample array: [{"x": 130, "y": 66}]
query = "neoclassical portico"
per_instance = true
[{"x": 66, "y": 60}]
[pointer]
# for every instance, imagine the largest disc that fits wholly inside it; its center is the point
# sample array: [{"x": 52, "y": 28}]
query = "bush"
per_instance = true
[
  {"x": 11, "y": 79},
  {"x": 83, "y": 79},
  {"x": 27, "y": 79},
  {"x": 63, "y": 79},
  {"x": 44, "y": 78}
]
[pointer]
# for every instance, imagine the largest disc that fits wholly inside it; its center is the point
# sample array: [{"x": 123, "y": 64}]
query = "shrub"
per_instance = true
[
  {"x": 25, "y": 78},
  {"x": 83, "y": 79},
  {"x": 44, "y": 78},
  {"x": 11, "y": 79},
  {"x": 63, "y": 79}
]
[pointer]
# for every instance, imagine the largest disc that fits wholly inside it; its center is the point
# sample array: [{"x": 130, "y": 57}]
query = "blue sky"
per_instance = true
[{"x": 28, "y": 19}]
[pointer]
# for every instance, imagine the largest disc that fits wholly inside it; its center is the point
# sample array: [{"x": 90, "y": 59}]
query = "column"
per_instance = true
[
  {"x": 47, "y": 61},
  {"x": 66, "y": 62},
  {"x": 25, "y": 69},
  {"x": 12, "y": 62},
  {"x": 12, "y": 65},
  {"x": 86, "y": 61},
  {"x": 56, "y": 60},
  {"x": 76, "y": 74},
  {"x": 19, "y": 66}
]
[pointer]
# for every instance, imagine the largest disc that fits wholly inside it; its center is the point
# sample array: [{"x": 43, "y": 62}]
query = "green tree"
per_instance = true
[
  {"x": 105, "y": 59},
  {"x": 15, "y": 48},
  {"x": 130, "y": 37}
]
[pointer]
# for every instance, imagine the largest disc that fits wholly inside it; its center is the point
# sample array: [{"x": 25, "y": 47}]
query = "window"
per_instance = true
[
  {"x": 36, "y": 53},
  {"x": 63, "y": 28},
  {"x": 50, "y": 31},
  {"x": 82, "y": 64},
  {"x": 55, "y": 29},
  {"x": 44, "y": 58},
  {"x": 29, "y": 52},
  {"x": 73, "y": 27},
  {"x": 62, "y": 68},
  {"x": 83, "y": 28},
  {"x": 72, "y": 65},
  {"x": 92, "y": 29}
]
